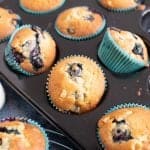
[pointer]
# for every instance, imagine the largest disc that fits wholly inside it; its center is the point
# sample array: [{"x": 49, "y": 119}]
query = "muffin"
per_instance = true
[
  {"x": 20, "y": 135},
  {"x": 40, "y": 6},
  {"x": 125, "y": 129},
  {"x": 79, "y": 23},
  {"x": 76, "y": 84},
  {"x": 119, "y": 5},
  {"x": 122, "y": 51},
  {"x": 9, "y": 21},
  {"x": 30, "y": 50}
]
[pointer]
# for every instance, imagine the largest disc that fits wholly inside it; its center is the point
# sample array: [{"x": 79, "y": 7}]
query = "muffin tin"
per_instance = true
[{"x": 126, "y": 88}]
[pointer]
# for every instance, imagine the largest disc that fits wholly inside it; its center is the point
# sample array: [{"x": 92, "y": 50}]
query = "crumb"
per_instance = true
[
  {"x": 139, "y": 92},
  {"x": 124, "y": 87},
  {"x": 137, "y": 81}
]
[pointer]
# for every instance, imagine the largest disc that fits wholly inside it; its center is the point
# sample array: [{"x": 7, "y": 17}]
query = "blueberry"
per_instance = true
[
  {"x": 9, "y": 131},
  {"x": 89, "y": 18},
  {"x": 138, "y": 50},
  {"x": 75, "y": 70},
  {"x": 18, "y": 56},
  {"x": 121, "y": 132},
  {"x": 1, "y": 142}
]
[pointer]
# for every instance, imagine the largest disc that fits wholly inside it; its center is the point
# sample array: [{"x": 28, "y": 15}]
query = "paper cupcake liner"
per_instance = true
[
  {"x": 32, "y": 122},
  {"x": 47, "y": 82},
  {"x": 9, "y": 57},
  {"x": 40, "y": 12},
  {"x": 83, "y": 37},
  {"x": 7, "y": 37},
  {"x": 115, "y": 58},
  {"x": 119, "y": 10},
  {"x": 125, "y": 105}
]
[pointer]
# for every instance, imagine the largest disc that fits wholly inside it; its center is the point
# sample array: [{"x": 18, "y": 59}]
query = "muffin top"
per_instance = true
[
  {"x": 79, "y": 22},
  {"x": 126, "y": 129},
  {"x": 33, "y": 49},
  {"x": 131, "y": 43},
  {"x": 119, "y": 4},
  {"x": 17, "y": 135},
  {"x": 41, "y": 5},
  {"x": 76, "y": 84},
  {"x": 8, "y": 22}
]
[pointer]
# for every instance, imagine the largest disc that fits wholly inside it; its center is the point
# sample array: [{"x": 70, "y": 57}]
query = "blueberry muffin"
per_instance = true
[
  {"x": 122, "y": 51},
  {"x": 20, "y": 135},
  {"x": 40, "y": 6},
  {"x": 125, "y": 129},
  {"x": 30, "y": 50},
  {"x": 119, "y": 4},
  {"x": 76, "y": 84},
  {"x": 79, "y": 23},
  {"x": 9, "y": 21}
]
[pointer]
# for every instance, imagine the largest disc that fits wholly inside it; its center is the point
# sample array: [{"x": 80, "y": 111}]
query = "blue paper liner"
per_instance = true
[
  {"x": 119, "y": 10},
  {"x": 9, "y": 57},
  {"x": 114, "y": 108},
  {"x": 115, "y": 58},
  {"x": 48, "y": 94},
  {"x": 34, "y": 123},
  {"x": 40, "y": 12},
  {"x": 69, "y": 37}
]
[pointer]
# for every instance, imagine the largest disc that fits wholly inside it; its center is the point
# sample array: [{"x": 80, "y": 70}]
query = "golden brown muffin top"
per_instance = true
[
  {"x": 76, "y": 84},
  {"x": 131, "y": 43},
  {"x": 126, "y": 129},
  {"x": 17, "y": 135},
  {"x": 79, "y": 22},
  {"x": 41, "y": 5},
  {"x": 34, "y": 49},
  {"x": 8, "y": 22},
  {"x": 118, "y": 4}
]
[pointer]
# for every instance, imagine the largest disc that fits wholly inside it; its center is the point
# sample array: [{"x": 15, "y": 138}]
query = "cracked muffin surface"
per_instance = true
[
  {"x": 79, "y": 22},
  {"x": 33, "y": 49},
  {"x": 18, "y": 135},
  {"x": 76, "y": 84},
  {"x": 126, "y": 129},
  {"x": 9, "y": 21}
]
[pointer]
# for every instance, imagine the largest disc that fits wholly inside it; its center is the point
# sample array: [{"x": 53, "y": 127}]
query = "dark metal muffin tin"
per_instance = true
[{"x": 121, "y": 89}]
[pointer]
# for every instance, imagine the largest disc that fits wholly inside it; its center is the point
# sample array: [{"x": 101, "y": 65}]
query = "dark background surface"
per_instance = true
[{"x": 121, "y": 89}]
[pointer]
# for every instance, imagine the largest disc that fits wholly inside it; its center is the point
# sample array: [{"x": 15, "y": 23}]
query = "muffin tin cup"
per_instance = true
[
  {"x": 121, "y": 106},
  {"x": 84, "y": 37},
  {"x": 9, "y": 57},
  {"x": 115, "y": 58},
  {"x": 49, "y": 96},
  {"x": 40, "y": 12},
  {"x": 34, "y": 123},
  {"x": 119, "y": 10}
]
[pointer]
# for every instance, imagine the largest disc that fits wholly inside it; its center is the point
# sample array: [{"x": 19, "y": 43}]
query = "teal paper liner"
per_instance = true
[
  {"x": 119, "y": 10},
  {"x": 9, "y": 57},
  {"x": 115, "y": 58},
  {"x": 69, "y": 37},
  {"x": 34, "y": 123},
  {"x": 114, "y": 108},
  {"x": 40, "y": 12},
  {"x": 49, "y": 96}
]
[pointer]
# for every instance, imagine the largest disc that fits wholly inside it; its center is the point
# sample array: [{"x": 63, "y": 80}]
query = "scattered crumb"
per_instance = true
[
  {"x": 124, "y": 87},
  {"x": 137, "y": 81},
  {"x": 139, "y": 92}
]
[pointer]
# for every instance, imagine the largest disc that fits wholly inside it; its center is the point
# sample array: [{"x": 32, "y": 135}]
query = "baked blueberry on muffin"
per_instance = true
[
  {"x": 30, "y": 50},
  {"x": 122, "y": 51},
  {"x": 76, "y": 84},
  {"x": 40, "y": 6},
  {"x": 125, "y": 128},
  {"x": 20, "y": 135},
  {"x": 9, "y": 21},
  {"x": 79, "y": 23},
  {"x": 119, "y": 4}
]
